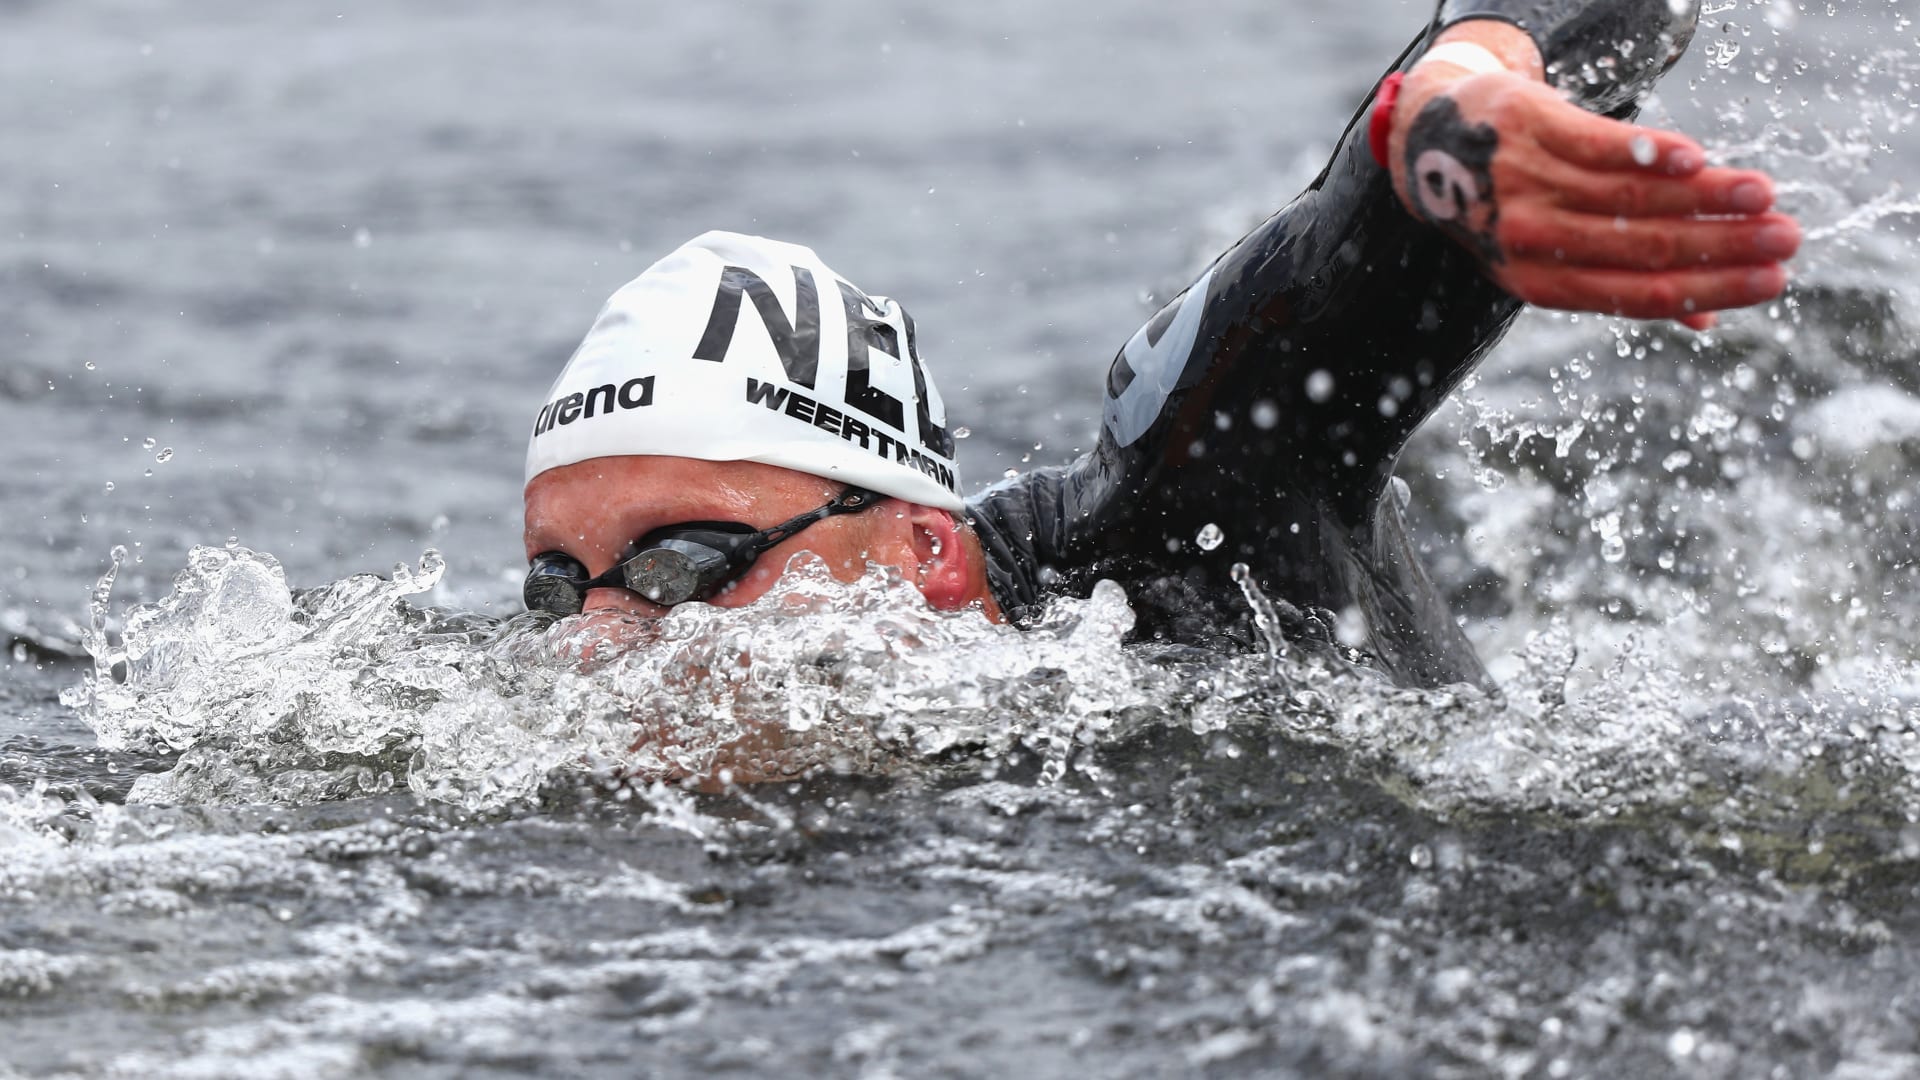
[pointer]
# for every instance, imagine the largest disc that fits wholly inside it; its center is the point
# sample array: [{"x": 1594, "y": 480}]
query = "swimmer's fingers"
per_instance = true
[
  {"x": 1709, "y": 191},
  {"x": 1539, "y": 234},
  {"x": 1672, "y": 294},
  {"x": 1598, "y": 144}
]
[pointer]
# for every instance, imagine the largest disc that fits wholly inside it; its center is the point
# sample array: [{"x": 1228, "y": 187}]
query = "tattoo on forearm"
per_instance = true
[{"x": 1450, "y": 168}]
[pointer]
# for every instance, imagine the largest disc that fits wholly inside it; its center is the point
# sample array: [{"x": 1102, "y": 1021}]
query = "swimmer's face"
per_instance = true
[{"x": 594, "y": 510}]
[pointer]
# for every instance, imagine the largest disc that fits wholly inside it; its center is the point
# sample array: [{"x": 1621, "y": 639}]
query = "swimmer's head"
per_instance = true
[
  {"x": 737, "y": 348},
  {"x": 742, "y": 382}
]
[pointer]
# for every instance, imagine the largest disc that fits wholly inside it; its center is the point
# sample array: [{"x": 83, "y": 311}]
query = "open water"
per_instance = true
[{"x": 281, "y": 286}]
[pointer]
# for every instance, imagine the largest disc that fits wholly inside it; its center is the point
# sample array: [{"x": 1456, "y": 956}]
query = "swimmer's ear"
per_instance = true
[{"x": 944, "y": 573}]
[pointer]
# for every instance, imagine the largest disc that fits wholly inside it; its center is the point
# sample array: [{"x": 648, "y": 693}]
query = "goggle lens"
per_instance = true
[
  {"x": 554, "y": 583},
  {"x": 673, "y": 571}
]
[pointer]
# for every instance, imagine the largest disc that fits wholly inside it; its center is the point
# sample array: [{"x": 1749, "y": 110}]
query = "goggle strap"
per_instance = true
[{"x": 846, "y": 502}]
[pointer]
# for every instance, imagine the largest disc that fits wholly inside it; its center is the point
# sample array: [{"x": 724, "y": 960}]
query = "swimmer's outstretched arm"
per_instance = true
[
  {"x": 1271, "y": 399},
  {"x": 1569, "y": 210},
  {"x": 1295, "y": 368}
]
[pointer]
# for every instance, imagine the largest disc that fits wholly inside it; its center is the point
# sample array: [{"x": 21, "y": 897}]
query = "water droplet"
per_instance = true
[
  {"x": 962, "y": 432},
  {"x": 1350, "y": 627},
  {"x": 1643, "y": 150},
  {"x": 165, "y": 455},
  {"x": 362, "y": 238},
  {"x": 1320, "y": 385},
  {"x": 1613, "y": 547},
  {"x": 1210, "y": 537},
  {"x": 89, "y": 365},
  {"x": 1265, "y": 415},
  {"x": 109, "y": 487},
  {"x": 1421, "y": 856},
  {"x": 149, "y": 443},
  {"x": 1712, "y": 419}
]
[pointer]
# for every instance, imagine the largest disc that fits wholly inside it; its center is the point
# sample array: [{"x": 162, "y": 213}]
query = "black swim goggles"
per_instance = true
[{"x": 689, "y": 561}]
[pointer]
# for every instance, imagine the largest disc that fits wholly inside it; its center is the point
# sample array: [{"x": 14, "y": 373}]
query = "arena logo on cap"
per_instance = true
[
  {"x": 796, "y": 342},
  {"x": 601, "y": 400}
]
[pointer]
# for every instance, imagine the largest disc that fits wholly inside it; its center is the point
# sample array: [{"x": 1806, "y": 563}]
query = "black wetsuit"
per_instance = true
[{"x": 1272, "y": 398}]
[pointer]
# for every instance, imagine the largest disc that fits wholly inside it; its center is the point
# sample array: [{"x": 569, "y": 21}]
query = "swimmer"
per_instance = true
[{"x": 739, "y": 402}]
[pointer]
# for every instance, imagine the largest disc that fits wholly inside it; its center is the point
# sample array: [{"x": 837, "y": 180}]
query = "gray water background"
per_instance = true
[{"x": 330, "y": 260}]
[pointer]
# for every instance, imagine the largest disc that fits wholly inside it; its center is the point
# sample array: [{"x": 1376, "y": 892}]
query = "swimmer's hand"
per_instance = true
[{"x": 1569, "y": 210}]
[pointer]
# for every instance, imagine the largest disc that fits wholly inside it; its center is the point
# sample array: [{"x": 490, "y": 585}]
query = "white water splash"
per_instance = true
[
  {"x": 272, "y": 696},
  {"x": 1866, "y": 215},
  {"x": 269, "y": 695}
]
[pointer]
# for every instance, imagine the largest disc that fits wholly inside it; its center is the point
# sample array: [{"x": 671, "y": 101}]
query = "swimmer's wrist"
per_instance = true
[
  {"x": 1467, "y": 48},
  {"x": 1463, "y": 51},
  {"x": 1468, "y": 57}
]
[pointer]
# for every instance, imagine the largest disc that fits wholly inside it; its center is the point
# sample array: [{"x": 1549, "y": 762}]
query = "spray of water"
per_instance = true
[
  {"x": 265, "y": 694},
  {"x": 268, "y": 694}
]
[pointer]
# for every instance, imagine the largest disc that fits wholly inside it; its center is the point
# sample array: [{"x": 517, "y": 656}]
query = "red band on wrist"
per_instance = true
[{"x": 1380, "y": 124}]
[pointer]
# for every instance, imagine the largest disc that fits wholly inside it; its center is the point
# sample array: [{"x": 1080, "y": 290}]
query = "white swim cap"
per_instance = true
[{"x": 736, "y": 348}]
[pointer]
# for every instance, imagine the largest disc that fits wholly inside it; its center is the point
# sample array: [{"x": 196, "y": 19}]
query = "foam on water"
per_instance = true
[
  {"x": 1187, "y": 828},
  {"x": 268, "y": 694}
]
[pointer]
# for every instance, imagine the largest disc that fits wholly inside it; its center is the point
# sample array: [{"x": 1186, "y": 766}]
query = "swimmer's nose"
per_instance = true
[
  {"x": 624, "y": 600},
  {"x": 613, "y": 620}
]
